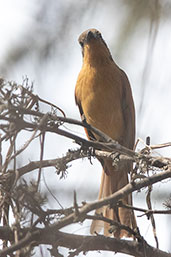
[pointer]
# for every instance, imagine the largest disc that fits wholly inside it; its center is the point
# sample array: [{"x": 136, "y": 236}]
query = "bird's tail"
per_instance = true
[{"x": 109, "y": 184}]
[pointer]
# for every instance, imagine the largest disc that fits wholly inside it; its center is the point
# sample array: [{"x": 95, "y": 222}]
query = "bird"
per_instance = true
[{"x": 104, "y": 98}]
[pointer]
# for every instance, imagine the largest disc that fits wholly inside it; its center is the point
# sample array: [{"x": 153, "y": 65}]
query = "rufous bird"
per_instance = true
[{"x": 104, "y": 98}]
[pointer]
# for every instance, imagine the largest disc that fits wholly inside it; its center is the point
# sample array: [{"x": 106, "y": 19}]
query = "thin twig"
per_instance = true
[
  {"x": 148, "y": 200},
  {"x": 42, "y": 121},
  {"x": 42, "y": 141},
  {"x": 146, "y": 212},
  {"x": 9, "y": 153}
]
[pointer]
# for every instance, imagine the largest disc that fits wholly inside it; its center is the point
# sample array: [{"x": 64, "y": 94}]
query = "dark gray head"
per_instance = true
[
  {"x": 92, "y": 38},
  {"x": 88, "y": 36}
]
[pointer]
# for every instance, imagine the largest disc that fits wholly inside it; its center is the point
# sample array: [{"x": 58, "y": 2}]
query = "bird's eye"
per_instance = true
[
  {"x": 99, "y": 34},
  {"x": 81, "y": 43}
]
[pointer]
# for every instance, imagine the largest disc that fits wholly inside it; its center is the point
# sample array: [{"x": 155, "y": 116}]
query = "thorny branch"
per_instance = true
[{"x": 20, "y": 111}]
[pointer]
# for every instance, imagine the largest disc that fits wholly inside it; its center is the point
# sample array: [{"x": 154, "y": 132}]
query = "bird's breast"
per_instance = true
[{"x": 100, "y": 95}]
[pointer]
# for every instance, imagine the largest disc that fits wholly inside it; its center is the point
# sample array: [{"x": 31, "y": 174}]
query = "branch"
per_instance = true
[
  {"x": 146, "y": 212},
  {"x": 110, "y": 200},
  {"x": 61, "y": 163},
  {"x": 109, "y": 145},
  {"x": 107, "y": 244},
  {"x": 85, "y": 243},
  {"x": 96, "y": 243}
]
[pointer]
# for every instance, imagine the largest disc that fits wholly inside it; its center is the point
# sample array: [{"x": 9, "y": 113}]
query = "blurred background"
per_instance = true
[{"x": 39, "y": 40}]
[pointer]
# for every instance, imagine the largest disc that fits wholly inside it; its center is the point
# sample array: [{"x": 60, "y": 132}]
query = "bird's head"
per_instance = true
[
  {"x": 89, "y": 36},
  {"x": 93, "y": 45}
]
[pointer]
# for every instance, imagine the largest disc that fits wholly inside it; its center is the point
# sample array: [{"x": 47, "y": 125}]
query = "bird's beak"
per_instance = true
[{"x": 89, "y": 36}]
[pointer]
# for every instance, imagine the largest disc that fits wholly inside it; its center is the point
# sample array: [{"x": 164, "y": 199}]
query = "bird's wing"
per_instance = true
[{"x": 128, "y": 112}]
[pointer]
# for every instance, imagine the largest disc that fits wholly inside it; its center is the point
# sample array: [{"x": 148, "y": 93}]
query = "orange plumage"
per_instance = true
[{"x": 104, "y": 98}]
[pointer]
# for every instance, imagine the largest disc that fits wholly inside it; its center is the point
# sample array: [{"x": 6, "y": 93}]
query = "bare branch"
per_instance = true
[
  {"x": 86, "y": 243},
  {"x": 112, "y": 199},
  {"x": 146, "y": 212}
]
